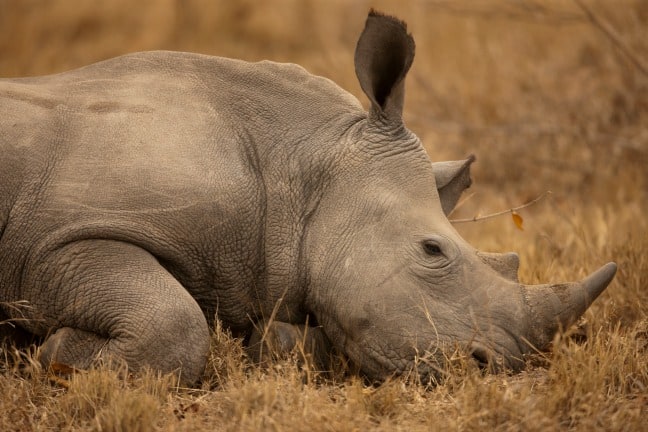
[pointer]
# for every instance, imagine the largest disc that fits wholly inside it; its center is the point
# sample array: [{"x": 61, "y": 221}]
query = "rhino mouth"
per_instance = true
[
  {"x": 377, "y": 363},
  {"x": 434, "y": 368},
  {"x": 434, "y": 364}
]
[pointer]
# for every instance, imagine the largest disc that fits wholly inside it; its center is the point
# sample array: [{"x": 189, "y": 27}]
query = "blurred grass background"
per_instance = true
[
  {"x": 548, "y": 94},
  {"x": 538, "y": 90},
  {"x": 535, "y": 89}
]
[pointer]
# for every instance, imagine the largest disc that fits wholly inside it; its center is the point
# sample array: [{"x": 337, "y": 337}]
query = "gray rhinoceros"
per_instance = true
[{"x": 145, "y": 196}]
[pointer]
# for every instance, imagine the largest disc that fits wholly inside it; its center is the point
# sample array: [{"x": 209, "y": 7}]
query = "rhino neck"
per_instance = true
[
  {"x": 291, "y": 125},
  {"x": 295, "y": 177}
]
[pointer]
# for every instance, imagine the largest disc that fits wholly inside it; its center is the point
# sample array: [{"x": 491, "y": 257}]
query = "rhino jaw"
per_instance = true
[{"x": 553, "y": 307}]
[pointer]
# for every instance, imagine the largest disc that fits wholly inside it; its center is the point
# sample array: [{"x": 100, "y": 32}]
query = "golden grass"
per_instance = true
[{"x": 545, "y": 100}]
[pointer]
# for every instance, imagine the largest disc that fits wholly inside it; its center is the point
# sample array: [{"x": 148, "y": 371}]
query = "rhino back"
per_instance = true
[{"x": 169, "y": 151}]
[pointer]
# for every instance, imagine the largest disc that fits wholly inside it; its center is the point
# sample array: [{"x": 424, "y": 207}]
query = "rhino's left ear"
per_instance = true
[
  {"x": 383, "y": 56},
  {"x": 452, "y": 178}
]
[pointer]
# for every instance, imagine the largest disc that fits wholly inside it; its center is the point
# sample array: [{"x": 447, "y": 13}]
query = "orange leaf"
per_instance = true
[
  {"x": 61, "y": 368},
  {"x": 517, "y": 220}
]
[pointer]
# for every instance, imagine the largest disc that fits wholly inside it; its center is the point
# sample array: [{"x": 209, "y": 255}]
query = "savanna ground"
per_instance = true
[{"x": 547, "y": 95}]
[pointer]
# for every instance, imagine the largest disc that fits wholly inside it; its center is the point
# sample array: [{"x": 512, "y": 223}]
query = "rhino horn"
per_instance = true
[{"x": 557, "y": 306}]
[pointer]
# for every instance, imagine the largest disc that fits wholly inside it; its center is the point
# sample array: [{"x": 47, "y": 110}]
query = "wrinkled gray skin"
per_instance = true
[{"x": 143, "y": 196}]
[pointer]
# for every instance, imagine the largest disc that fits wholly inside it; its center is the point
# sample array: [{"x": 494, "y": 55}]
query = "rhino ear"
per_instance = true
[
  {"x": 383, "y": 56},
  {"x": 452, "y": 178}
]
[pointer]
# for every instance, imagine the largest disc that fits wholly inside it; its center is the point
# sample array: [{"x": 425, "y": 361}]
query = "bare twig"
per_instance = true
[
  {"x": 614, "y": 38},
  {"x": 503, "y": 212}
]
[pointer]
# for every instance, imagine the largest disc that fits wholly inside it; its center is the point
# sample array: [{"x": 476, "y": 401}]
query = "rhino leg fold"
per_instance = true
[
  {"x": 114, "y": 301},
  {"x": 280, "y": 340}
]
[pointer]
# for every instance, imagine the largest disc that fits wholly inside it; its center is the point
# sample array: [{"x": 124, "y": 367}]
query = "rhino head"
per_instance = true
[{"x": 390, "y": 280}]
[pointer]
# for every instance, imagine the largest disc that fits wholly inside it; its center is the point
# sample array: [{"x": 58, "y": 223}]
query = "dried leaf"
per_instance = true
[
  {"x": 61, "y": 369},
  {"x": 56, "y": 380},
  {"x": 517, "y": 220}
]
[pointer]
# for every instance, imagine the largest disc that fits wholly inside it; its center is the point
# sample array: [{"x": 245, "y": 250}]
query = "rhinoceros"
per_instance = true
[{"x": 145, "y": 196}]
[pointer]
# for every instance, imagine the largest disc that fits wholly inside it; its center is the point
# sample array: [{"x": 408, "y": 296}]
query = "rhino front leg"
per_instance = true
[
  {"x": 114, "y": 300},
  {"x": 279, "y": 339}
]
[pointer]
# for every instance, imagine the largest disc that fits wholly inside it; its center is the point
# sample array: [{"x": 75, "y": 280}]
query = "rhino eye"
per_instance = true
[{"x": 432, "y": 248}]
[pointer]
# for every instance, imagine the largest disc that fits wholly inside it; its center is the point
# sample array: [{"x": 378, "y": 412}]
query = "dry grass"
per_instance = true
[{"x": 544, "y": 98}]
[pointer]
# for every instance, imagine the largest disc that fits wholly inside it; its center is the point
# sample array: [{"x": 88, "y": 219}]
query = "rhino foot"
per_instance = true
[
  {"x": 278, "y": 340},
  {"x": 77, "y": 349}
]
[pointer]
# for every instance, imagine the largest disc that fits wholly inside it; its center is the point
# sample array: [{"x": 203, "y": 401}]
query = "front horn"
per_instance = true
[{"x": 553, "y": 307}]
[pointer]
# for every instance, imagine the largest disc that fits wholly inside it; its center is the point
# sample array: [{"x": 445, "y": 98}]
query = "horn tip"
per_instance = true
[
  {"x": 600, "y": 279},
  {"x": 609, "y": 270}
]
